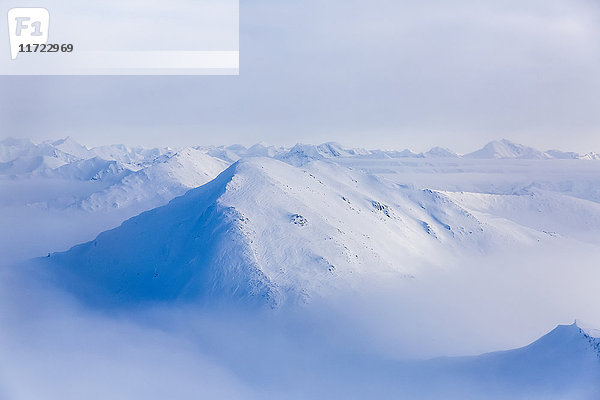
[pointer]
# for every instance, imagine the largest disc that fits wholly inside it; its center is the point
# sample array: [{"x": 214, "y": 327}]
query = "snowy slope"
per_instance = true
[
  {"x": 590, "y": 156},
  {"x": 96, "y": 169},
  {"x": 270, "y": 230},
  {"x": 318, "y": 210},
  {"x": 506, "y": 149},
  {"x": 23, "y": 157},
  {"x": 70, "y": 146},
  {"x": 136, "y": 156},
  {"x": 439, "y": 152},
  {"x": 576, "y": 178},
  {"x": 166, "y": 252},
  {"x": 565, "y": 363},
  {"x": 62, "y": 193},
  {"x": 553, "y": 213},
  {"x": 138, "y": 177},
  {"x": 156, "y": 184},
  {"x": 20, "y": 157},
  {"x": 311, "y": 223}
]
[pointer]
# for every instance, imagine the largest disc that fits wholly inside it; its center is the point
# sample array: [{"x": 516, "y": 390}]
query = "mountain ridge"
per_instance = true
[
  {"x": 288, "y": 232},
  {"x": 67, "y": 150}
]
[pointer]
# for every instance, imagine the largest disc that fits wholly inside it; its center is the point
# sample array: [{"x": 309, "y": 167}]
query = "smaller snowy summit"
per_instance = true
[{"x": 506, "y": 149}]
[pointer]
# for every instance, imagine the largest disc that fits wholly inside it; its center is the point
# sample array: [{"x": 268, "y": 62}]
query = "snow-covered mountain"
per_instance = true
[
  {"x": 112, "y": 183},
  {"x": 70, "y": 146},
  {"x": 156, "y": 184},
  {"x": 590, "y": 156},
  {"x": 322, "y": 231},
  {"x": 124, "y": 176},
  {"x": 507, "y": 149},
  {"x": 23, "y": 158},
  {"x": 273, "y": 232},
  {"x": 563, "y": 364},
  {"x": 440, "y": 152},
  {"x": 89, "y": 169},
  {"x": 62, "y": 186},
  {"x": 355, "y": 207}
]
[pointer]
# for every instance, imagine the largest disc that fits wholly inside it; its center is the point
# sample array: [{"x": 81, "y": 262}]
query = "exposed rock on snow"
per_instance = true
[{"x": 299, "y": 220}]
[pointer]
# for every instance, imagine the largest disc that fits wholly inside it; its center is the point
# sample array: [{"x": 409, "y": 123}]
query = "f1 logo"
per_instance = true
[{"x": 27, "y": 26}]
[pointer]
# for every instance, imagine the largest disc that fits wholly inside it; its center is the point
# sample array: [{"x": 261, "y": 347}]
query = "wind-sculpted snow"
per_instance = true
[{"x": 271, "y": 231}]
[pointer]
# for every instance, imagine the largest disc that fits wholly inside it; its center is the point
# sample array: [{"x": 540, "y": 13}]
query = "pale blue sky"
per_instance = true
[{"x": 378, "y": 73}]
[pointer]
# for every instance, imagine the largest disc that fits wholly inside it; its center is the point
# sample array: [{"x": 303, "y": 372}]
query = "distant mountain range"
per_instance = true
[{"x": 22, "y": 156}]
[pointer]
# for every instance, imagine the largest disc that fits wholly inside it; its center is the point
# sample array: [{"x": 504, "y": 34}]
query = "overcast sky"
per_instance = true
[{"x": 377, "y": 73}]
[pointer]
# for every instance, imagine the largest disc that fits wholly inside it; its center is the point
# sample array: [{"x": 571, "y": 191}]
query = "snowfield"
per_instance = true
[
  {"x": 401, "y": 254},
  {"x": 265, "y": 228}
]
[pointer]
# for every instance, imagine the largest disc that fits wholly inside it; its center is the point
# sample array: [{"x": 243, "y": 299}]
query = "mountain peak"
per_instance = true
[
  {"x": 72, "y": 147},
  {"x": 268, "y": 230},
  {"x": 587, "y": 329},
  {"x": 570, "y": 336},
  {"x": 440, "y": 152},
  {"x": 505, "y": 148}
]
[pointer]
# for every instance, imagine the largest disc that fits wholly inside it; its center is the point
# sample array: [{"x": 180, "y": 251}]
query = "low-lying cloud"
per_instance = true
[{"x": 53, "y": 347}]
